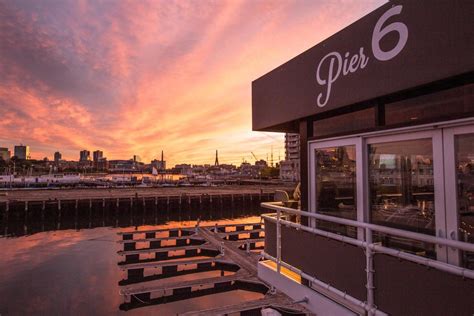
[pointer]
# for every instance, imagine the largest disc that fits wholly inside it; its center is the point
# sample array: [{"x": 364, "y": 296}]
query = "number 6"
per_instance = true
[{"x": 379, "y": 33}]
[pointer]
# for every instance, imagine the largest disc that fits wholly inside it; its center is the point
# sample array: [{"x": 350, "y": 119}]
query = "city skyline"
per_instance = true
[{"x": 135, "y": 78}]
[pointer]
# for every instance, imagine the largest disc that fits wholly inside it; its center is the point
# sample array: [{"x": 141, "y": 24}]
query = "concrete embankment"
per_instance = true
[{"x": 121, "y": 193}]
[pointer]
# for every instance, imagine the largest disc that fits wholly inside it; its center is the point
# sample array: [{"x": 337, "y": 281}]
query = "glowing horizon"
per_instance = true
[{"x": 137, "y": 77}]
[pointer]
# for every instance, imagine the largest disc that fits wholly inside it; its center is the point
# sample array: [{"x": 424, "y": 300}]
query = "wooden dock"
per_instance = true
[{"x": 222, "y": 253}]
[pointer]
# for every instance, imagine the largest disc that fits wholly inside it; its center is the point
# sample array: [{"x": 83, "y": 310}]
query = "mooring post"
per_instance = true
[
  {"x": 90, "y": 204},
  {"x": 103, "y": 203},
  {"x": 7, "y": 209},
  {"x": 117, "y": 203},
  {"x": 222, "y": 250},
  {"x": 58, "y": 227},
  {"x": 43, "y": 207},
  {"x": 26, "y": 206},
  {"x": 156, "y": 200}
]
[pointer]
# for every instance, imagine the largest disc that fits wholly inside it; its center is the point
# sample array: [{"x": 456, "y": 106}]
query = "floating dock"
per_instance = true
[{"x": 180, "y": 251}]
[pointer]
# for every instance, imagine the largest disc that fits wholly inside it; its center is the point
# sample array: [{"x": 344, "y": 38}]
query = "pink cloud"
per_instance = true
[{"x": 135, "y": 77}]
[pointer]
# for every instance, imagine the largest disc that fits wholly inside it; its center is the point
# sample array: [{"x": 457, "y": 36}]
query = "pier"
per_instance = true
[
  {"x": 24, "y": 212},
  {"x": 214, "y": 251}
]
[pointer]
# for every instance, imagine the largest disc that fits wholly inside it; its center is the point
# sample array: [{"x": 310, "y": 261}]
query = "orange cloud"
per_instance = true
[{"x": 136, "y": 77}]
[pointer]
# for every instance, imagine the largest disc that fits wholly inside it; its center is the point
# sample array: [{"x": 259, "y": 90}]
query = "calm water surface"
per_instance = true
[{"x": 75, "y": 272}]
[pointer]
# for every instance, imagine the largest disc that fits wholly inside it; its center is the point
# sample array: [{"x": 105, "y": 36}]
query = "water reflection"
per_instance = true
[{"x": 66, "y": 263}]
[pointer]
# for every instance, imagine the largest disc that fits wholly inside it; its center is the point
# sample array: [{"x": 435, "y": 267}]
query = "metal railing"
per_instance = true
[{"x": 367, "y": 244}]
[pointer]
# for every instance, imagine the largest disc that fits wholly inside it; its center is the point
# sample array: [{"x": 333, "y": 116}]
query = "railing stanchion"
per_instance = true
[
  {"x": 369, "y": 268},
  {"x": 278, "y": 241}
]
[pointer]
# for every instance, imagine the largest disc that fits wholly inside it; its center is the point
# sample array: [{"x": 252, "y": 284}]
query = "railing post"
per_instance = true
[
  {"x": 369, "y": 269},
  {"x": 278, "y": 241}
]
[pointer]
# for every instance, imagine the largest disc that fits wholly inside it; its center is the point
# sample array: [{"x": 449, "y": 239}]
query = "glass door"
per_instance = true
[
  {"x": 405, "y": 188},
  {"x": 334, "y": 183},
  {"x": 459, "y": 190}
]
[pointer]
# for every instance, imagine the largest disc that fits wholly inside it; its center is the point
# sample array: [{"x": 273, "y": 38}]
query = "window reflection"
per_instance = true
[
  {"x": 401, "y": 185},
  {"x": 464, "y": 146},
  {"x": 336, "y": 186}
]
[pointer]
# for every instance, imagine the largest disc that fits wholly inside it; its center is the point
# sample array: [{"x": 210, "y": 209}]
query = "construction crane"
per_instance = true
[{"x": 256, "y": 159}]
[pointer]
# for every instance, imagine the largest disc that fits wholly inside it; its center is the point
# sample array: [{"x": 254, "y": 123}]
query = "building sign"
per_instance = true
[
  {"x": 343, "y": 66},
  {"x": 399, "y": 46}
]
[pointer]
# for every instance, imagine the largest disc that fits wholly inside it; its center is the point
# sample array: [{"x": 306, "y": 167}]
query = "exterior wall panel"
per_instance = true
[
  {"x": 270, "y": 238},
  {"x": 341, "y": 265},
  {"x": 406, "y": 288}
]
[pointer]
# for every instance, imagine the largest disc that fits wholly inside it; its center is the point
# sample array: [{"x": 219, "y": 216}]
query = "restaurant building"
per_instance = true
[{"x": 385, "y": 114}]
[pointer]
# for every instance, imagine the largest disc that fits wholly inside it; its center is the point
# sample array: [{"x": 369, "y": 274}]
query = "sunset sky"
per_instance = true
[{"x": 136, "y": 77}]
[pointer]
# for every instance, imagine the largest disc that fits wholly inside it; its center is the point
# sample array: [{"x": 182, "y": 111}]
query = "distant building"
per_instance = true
[
  {"x": 84, "y": 155},
  {"x": 5, "y": 153},
  {"x": 102, "y": 164},
  {"x": 22, "y": 152},
  {"x": 290, "y": 167},
  {"x": 57, "y": 157},
  {"x": 97, "y": 155},
  {"x": 289, "y": 170},
  {"x": 184, "y": 169},
  {"x": 159, "y": 164},
  {"x": 121, "y": 165}
]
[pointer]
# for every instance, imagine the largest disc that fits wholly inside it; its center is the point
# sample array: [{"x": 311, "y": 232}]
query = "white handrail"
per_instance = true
[
  {"x": 369, "y": 247},
  {"x": 378, "y": 228},
  {"x": 442, "y": 266}
]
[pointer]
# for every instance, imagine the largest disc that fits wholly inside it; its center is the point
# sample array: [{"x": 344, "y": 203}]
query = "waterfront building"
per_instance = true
[
  {"x": 121, "y": 165},
  {"x": 289, "y": 170},
  {"x": 22, "y": 152},
  {"x": 101, "y": 164},
  {"x": 184, "y": 169},
  {"x": 5, "y": 153},
  {"x": 159, "y": 164},
  {"x": 97, "y": 155},
  {"x": 57, "y": 157},
  {"x": 84, "y": 155},
  {"x": 290, "y": 167},
  {"x": 385, "y": 115}
]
